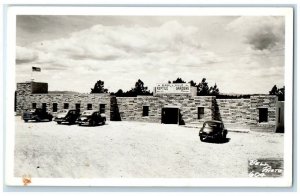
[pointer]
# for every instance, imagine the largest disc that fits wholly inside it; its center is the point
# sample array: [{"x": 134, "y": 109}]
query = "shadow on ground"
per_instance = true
[{"x": 226, "y": 140}]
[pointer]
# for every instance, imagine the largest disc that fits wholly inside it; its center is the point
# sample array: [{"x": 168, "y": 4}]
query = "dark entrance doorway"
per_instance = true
[{"x": 169, "y": 115}]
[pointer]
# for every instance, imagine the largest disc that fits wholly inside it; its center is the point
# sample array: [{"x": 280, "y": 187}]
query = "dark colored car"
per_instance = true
[
  {"x": 92, "y": 118},
  {"x": 37, "y": 114},
  {"x": 213, "y": 130},
  {"x": 67, "y": 116}
]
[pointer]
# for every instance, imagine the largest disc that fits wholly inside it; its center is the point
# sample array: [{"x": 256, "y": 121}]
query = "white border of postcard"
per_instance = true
[{"x": 12, "y": 11}]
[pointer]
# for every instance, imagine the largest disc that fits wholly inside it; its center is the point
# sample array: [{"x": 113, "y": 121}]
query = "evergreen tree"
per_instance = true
[
  {"x": 140, "y": 89},
  {"x": 203, "y": 88},
  {"x": 278, "y": 91},
  {"x": 274, "y": 90},
  {"x": 214, "y": 90},
  {"x": 178, "y": 80},
  {"x": 281, "y": 93},
  {"x": 192, "y": 83},
  {"x": 99, "y": 87}
]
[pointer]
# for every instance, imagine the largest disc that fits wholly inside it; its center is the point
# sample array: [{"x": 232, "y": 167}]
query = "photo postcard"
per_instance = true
[{"x": 141, "y": 96}]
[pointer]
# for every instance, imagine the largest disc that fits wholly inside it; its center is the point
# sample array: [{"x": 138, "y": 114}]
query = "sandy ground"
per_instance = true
[{"x": 135, "y": 149}]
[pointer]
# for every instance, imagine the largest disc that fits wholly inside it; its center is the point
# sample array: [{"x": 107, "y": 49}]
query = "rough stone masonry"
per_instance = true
[{"x": 259, "y": 113}]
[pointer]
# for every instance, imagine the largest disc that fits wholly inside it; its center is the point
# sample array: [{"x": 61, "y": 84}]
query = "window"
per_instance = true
[
  {"x": 263, "y": 114},
  {"x": 66, "y": 106},
  {"x": 33, "y": 105},
  {"x": 200, "y": 112},
  {"x": 145, "y": 110},
  {"x": 54, "y": 107},
  {"x": 77, "y": 106},
  {"x": 102, "y": 108},
  {"x": 44, "y": 106},
  {"x": 89, "y": 106}
]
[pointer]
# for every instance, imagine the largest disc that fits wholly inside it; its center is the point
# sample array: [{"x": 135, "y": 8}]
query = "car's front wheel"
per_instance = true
[
  {"x": 202, "y": 138},
  {"x": 26, "y": 121},
  {"x": 58, "y": 122},
  {"x": 92, "y": 123}
]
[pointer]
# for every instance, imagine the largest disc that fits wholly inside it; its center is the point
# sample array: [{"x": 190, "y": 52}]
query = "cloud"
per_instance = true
[
  {"x": 122, "y": 54},
  {"x": 261, "y": 33},
  {"x": 25, "y": 55},
  {"x": 121, "y": 49}
]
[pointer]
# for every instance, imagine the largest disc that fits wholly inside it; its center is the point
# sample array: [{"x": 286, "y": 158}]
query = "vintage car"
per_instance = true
[
  {"x": 213, "y": 130},
  {"x": 37, "y": 114},
  {"x": 91, "y": 117},
  {"x": 67, "y": 116}
]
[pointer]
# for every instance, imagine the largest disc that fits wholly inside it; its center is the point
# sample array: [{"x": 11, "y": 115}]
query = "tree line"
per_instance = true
[
  {"x": 139, "y": 88},
  {"x": 278, "y": 91},
  {"x": 203, "y": 89}
]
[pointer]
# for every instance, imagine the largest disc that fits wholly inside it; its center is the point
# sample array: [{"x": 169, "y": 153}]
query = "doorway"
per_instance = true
[{"x": 169, "y": 115}]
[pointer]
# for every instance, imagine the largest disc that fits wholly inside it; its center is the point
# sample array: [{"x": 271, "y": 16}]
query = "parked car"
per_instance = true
[
  {"x": 213, "y": 130},
  {"x": 37, "y": 114},
  {"x": 92, "y": 118},
  {"x": 67, "y": 116}
]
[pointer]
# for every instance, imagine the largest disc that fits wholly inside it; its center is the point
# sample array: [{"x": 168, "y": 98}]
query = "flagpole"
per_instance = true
[{"x": 31, "y": 75}]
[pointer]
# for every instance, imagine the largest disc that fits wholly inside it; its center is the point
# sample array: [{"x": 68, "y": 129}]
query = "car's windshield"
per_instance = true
[
  {"x": 64, "y": 111},
  {"x": 87, "y": 113},
  {"x": 212, "y": 124}
]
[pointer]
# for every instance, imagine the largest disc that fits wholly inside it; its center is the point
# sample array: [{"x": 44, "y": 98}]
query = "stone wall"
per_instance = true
[
  {"x": 263, "y": 101},
  {"x": 23, "y": 91},
  {"x": 25, "y": 99},
  {"x": 131, "y": 108},
  {"x": 234, "y": 112}
]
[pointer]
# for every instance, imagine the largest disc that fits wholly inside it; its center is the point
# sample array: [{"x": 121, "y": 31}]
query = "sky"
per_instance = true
[{"x": 240, "y": 54}]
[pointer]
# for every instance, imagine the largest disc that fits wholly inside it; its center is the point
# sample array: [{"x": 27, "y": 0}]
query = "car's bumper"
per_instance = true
[
  {"x": 210, "y": 136},
  {"x": 80, "y": 122},
  {"x": 28, "y": 118},
  {"x": 60, "y": 120}
]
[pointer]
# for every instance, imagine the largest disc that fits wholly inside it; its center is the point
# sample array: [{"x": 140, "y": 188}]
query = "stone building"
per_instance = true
[
  {"x": 35, "y": 95},
  {"x": 170, "y": 104}
]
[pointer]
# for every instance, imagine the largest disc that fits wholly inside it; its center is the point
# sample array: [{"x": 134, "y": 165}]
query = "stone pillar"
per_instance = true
[
  {"x": 23, "y": 91},
  {"x": 267, "y": 103}
]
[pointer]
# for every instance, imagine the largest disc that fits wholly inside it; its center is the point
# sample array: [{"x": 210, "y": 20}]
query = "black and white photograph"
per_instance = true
[{"x": 152, "y": 95}]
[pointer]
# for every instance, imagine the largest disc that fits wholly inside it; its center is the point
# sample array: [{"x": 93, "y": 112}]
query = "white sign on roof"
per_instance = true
[{"x": 173, "y": 88}]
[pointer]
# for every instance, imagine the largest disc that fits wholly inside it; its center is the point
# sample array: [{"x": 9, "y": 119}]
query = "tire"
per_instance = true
[
  {"x": 224, "y": 135},
  {"x": 58, "y": 122},
  {"x": 202, "y": 138},
  {"x": 50, "y": 119},
  {"x": 26, "y": 121},
  {"x": 220, "y": 139},
  {"x": 92, "y": 123}
]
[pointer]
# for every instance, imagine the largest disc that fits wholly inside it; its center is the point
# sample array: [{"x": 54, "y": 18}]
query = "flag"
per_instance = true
[{"x": 36, "y": 69}]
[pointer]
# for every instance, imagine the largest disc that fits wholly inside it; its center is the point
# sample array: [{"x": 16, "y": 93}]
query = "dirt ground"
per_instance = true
[{"x": 135, "y": 150}]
